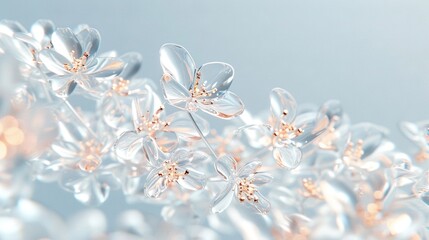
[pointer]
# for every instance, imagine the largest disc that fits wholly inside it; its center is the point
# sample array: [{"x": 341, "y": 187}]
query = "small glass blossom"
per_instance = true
[
  {"x": 242, "y": 183},
  {"x": 205, "y": 88},
  {"x": 72, "y": 61},
  {"x": 149, "y": 119},
  {"x": 286, "y": 132},
  {"x": 83, "y": 162},
  {"x": 170, "y": 169}
]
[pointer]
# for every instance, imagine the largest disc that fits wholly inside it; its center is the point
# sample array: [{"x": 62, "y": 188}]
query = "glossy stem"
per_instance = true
[
  {"x": 79, "y": 118},
  {"x": 202, "y": 135}
]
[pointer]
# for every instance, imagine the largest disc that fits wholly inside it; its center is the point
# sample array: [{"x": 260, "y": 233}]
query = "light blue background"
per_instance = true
[{"x": 372, "y": 55}]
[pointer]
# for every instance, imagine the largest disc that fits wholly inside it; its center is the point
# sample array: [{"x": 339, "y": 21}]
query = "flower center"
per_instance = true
[
  {"x": 120, "y": 86},
  {"x": 353, "y": 154},
  {"x": 311, "y": 190},
  {"x": 286, "y": 131},
  {"x": 78, "y": 64},
  {"x": 151, "y": 125},
  {"x": 89, "y": 155},
  {"x": 246, "y": 190},
  {"x": 171, "y": 173},
  {"x": 200, "y": 90}
]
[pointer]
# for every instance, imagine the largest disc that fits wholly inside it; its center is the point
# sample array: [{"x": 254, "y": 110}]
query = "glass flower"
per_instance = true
[
  {"x": 168, "y": 170},
  {"x": 25, "y": 45},
  {"x": 286, "y": 132},
  {"x": 149, "y": 119},
  {"x": 242, "y": 183},
  {"x": 84, "y": 164},
  {"x": 73, "y": 61},
  {"x": 205, "y": 88}
]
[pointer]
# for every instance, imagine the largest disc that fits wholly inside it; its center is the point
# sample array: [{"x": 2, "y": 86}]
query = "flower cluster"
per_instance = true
[{"x": 85, "y": 120}]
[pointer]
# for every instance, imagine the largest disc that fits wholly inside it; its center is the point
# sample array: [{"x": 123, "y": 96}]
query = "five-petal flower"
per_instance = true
[{"x": 205, "y": 88}]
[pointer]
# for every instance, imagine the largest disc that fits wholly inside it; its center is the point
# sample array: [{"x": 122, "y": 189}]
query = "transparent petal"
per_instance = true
[
  {"x": 66, "y": 43},
  {"x": 263, "y": 206},
  {"x": 74, "y": 181},
  {"x": 192, "y": 181},
  {"x": 155, "y": 184},
  {"x": 178, "y": 63},
  {"x": 216, "y": 75},
  {"x": 16, "y": 48},
  {"x": 62, "y": 86},
  {"x": 10, "y": 27},
  {"x": 249, "y": 168},
  {"x": 95, "y": 194},
  {"x": 257, "y": 136},
  {"x": 151, "y": 152},
  {"x": 283, "y": 106},
  {"x": 66, "y": 150},
  {"x": 313, "y": 126},
  {"x": 288, "y": 157},
  {"x": 261, "y": 178},
  {"x": 89, "y": 39},
  {"x": 25, "y": 38},
  {"x": 225, "y": 166},
  {"x": 223, "y": 199},
  {"x": 175, "y": 94},
  {"x": 89, "y": 84},
  {"x": 182, "y": 157},
  {"x": 133, "y": 61},
  {"x": 181, "y": 124},
  {"x": 127, "y": 146},
  {"x": 143, "y": 109},
  {"x": 227, "y": 106},
  {"x": 370, "y": 134},
  {"x": 105, "y": 67},
  {"x": 54, "y": 61},
  {"x": 412, "y": 132},
  {"x": 333, "y": 110},
  {"x": 42, "y": 31},
  {"x": 166, "y": 141}
]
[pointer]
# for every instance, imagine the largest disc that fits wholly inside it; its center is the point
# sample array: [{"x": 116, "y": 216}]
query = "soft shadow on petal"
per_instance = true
[
  {"x": 182, "y": 157},
  {"x": 178, "y": 63},
  {"x": 223, "y": 199},
  {"x": 225, "y": 166},
  {"x": 127, "y": 146},
  {"x": 133, "y": 61},
  {"x": 175, "y": 94},
  {"x": 283, "y": 106},
  {"x": 216, "y": 75},
  {"x": 249, "y": 168},
  {"x": 155, "y": 184},
  {"x": 262, "y": 206},
  {"x": 89, "y": 39},
  {"x": 66, "y": 43},
  {"x": 192, "y": 181},
  {"x": 105, "y": 67},
  {"x": 288, "y": 157},
  {"x": 54, "y": 61},
  {"x": 227, "y": 106}
]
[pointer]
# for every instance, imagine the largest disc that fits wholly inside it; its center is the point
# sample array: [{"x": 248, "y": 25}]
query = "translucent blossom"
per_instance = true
[
  {"x": 150, "y": 120},
  {"x": 242, "y": 183},
  {"x": 82, "y": 167},
  {"x": 285, "y": 133},
  {"x": 205, "y": 88},
  {"x": 167, "y": 170},
  {"x": 73, "y": 61},
  {"x": 25, "y": 45}
]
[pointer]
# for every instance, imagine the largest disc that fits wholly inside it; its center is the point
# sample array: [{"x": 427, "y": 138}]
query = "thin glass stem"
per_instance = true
[
  {"x": 202, "y": 135},
  {"x": 79, "y": 118}
]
